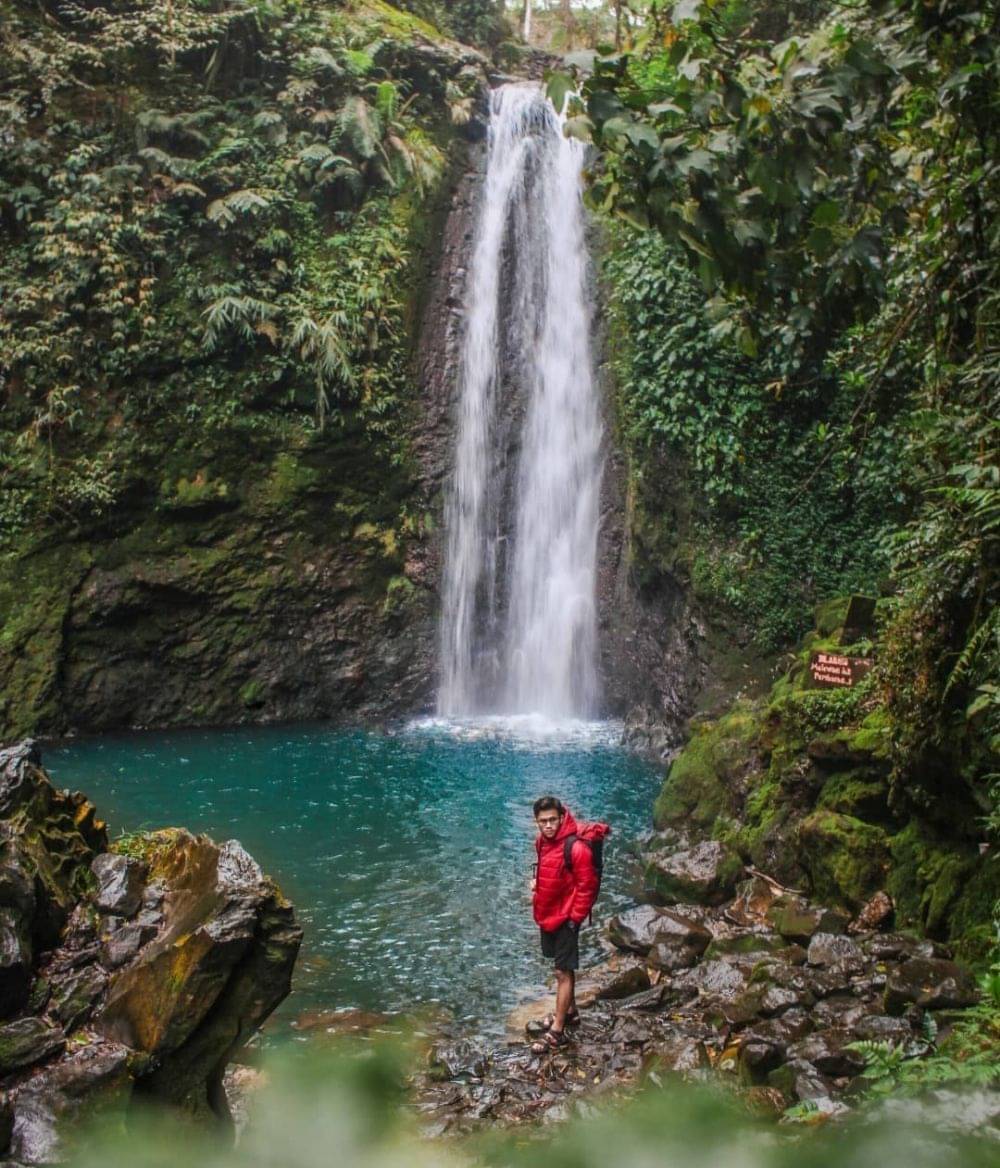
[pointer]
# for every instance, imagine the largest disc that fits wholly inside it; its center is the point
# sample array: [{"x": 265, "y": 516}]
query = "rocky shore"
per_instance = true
[
  {"x": 723, "y": 971},
  {"x": 127, "y": 971}
]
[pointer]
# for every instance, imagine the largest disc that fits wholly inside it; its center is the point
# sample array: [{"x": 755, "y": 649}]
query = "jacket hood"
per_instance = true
[{"x": 569, "y": 826}]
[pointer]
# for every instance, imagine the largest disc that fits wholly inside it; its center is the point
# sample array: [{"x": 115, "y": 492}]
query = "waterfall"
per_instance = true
[{"x": 518, "y": 628}]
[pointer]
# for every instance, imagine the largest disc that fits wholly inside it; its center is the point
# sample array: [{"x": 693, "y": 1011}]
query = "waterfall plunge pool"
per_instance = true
[{"x": 407, "y": 852}]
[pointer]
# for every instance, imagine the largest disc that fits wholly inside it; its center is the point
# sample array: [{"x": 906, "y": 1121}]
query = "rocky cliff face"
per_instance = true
[
  {"x": 249, "y": 561},
  {"x": 123, "y": 973}
]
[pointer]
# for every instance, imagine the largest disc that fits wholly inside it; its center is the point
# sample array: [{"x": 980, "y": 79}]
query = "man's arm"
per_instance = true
[{"x": 585, "y": 881}]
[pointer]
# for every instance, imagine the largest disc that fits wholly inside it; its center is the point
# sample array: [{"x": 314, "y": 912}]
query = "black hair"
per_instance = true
[{"x": 548, "y": 803}]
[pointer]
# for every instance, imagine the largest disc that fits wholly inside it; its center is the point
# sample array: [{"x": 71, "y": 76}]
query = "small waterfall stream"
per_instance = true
[{"x": 518, "y": 630}]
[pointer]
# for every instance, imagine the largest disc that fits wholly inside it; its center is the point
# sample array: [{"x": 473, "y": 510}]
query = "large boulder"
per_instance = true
[
  {"x": 929, "y": 982},
  {"x": 703, "y": 874},
  {"x": 675, "y": 941},
  {"x": 130, "y": 972}
]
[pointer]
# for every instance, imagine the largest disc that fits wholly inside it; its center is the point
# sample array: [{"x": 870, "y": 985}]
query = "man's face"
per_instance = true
[{"x": 548, "y": 822}]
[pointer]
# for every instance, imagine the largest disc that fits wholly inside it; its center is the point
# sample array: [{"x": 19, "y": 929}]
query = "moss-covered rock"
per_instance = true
[
  {"x": 847, "y": 859},
  {"x": 701, "y": 781}
]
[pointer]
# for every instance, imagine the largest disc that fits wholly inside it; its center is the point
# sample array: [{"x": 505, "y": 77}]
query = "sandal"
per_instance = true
[
  {"x": 550, "y": 1040},
  {"x": 572, "y": 1019}
]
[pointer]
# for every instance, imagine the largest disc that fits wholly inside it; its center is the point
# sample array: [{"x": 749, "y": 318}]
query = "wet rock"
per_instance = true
[
  {"x": 800, "y": 1080},
  {"x": 15, "y": 961},
  {"x": 75, "y": 994},
  {"x": 783, "y": 1028},
  {"x": 882, "y": 1028},
  {"x": 17, "y": 887},
  {"x": 28, "y": 1041},
  {"x": 159, "y": 1003},
  {"x": 899, "y": 947},
  {"x": 682, "y": 1055},
  {"x": 678, "y": 942},
  {"x": 755, "y": 942},
  {"x": 932, "y": 983},
  {"x": 875, "y": 915},
  {"x": 220, "y": 963},
  {"x": 828, "y": 1053},
  {"x": 767, "y": 1102},
  {"x": 123, "y": 944},
  {"x": 649, "y": 999},
  {"x": 797, "y": 920},
  {"x": 631, "y": 1030},
  {"x": 88, "y": 1085},
  {"x": 758, "y": 1057},
  {"x": 835, "y": 951},
  {"x": 639, "y": 929},
  {"x": 841, "y": 1010},
  {"x": 618, "y": 977},
  {"x": 705, "y": 874},
  {"x": 120, "y": 882},
  {"x": 721, "y": 981},
  {"x": 459, "y": 1059}
]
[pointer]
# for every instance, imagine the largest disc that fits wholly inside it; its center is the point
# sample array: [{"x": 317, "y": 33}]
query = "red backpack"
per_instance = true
[{"x": 593, "y": 835}]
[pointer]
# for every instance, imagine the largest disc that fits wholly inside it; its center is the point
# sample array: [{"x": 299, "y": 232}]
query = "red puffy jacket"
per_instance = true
[{"x": 563, "y": 894}]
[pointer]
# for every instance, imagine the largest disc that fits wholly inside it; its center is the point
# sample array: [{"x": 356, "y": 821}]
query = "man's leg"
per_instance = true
[{"x": 565, "y": 997}]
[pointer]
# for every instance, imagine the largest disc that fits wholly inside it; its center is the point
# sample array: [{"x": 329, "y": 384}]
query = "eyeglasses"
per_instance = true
[{"x": 547, "y": 821}]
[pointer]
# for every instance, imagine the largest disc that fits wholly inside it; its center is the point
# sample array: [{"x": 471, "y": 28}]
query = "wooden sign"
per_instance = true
[{"x": 832, "y": 669}]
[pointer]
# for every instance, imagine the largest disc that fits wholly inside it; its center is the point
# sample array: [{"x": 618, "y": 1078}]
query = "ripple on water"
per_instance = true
[{"x": 407, "y": 852}]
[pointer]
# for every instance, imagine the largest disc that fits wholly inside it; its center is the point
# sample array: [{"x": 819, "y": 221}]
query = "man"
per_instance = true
[{"x": 563, "y": 896}]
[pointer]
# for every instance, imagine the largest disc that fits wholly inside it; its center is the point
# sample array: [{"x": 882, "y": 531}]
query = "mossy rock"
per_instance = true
[
  {"x": 847, "y": 859},
  {"x": 947, "y": 890},
  {"x": 831, "y": 614},
  {"x": 699, "y": 784},
  {"x": 857, "y": 793}
]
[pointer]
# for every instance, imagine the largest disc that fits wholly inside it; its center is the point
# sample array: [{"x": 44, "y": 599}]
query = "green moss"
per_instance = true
[
  {"x": 398, "y": 595},
  {"x": 149, "y": 846},
  {"x": 831, "y": 614},
  {"x": 289, "y": 478},
  {"x": 253, "y": 693},
  {"x": 856, "y": 793},
  {"x": 847, "y": 859},
  {"x": 748, "y": 943},
  {"x": 193, "y": 493},
  {"x": 943, "y": 887},
  {"x": 36, "y": 593},
  {"x": 875, "y": 734},
  {"x": 697, "y": 786}
]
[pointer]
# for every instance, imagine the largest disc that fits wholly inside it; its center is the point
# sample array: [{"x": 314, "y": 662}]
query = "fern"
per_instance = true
[
  {"x": 326, "y": 348},
  {"x": 387, "y": 101},
  {"x": 272, "y": 125},
  {"x": 158, "y": 161},
  {"x": 987, "y": 630},
  {"x": 360, "y": 126},
  {"x": 243, "y": 315},
  {"x": 225, "y": 211}
]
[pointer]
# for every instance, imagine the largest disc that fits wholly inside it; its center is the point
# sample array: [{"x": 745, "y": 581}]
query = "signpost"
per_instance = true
[{"x": 831, "y": 670}]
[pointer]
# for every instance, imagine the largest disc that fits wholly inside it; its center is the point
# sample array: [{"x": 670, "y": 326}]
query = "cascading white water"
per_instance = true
[{"x": 519, "y": 622}]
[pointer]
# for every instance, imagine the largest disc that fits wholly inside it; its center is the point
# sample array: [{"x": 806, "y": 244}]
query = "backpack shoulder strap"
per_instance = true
[{"x": 568, "y": 843}]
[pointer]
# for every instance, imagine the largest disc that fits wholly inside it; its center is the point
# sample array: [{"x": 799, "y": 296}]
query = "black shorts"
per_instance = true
[{"x": 562, "y": 947}]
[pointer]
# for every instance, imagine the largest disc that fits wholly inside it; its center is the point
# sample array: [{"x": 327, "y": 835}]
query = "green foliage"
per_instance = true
[
  {"x": 205, "y": 222},
  {"x": 829, "y": 173},
  {"x": 779, "y": 535},
  {"x": 789, "y": 169}
]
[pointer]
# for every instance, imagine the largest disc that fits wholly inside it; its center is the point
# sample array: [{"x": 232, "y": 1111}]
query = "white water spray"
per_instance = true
[{"x": 519, "y": 622}]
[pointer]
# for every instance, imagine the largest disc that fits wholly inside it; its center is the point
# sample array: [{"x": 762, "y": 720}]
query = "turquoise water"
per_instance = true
[{"x": 407, "y": 853}]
